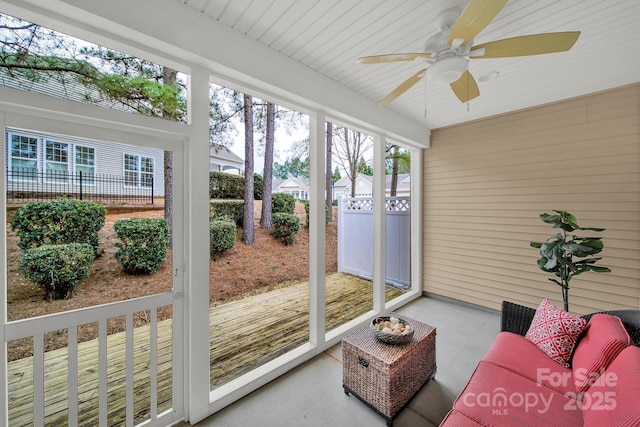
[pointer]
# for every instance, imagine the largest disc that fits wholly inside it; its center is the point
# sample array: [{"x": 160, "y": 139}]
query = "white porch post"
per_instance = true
[
  {"x": 379, "y": 222},
  {"x": 317, "y": 239},
  {"x": 197, "y": 250},
  {"x": 416, "y": 219},
  {"x": 4, "y": 410}
]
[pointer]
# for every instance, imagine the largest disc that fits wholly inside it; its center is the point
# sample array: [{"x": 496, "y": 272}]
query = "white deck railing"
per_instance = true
[{"x": 43, "y": 401}]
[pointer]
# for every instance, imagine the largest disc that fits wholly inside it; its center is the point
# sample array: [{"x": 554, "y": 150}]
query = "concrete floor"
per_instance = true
[{"x": 312, "y": 394}]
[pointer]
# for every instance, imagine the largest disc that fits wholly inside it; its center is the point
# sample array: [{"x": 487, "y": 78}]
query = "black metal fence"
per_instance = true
[{"x": 31, "y": 185}]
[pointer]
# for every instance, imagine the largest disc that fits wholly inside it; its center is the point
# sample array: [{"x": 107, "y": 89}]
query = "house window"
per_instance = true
[
  {"x": 138, "y": 170},
  {"x": 146, "y": 172},
  {"x": 57, "y": 161},
  {"x": 85, "y": 164},
  {"x": 131, "y": 170},
  {"x": 24, "y": 157}
]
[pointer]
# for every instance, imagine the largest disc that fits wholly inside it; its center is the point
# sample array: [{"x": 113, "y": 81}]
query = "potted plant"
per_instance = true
[{"x": 567, "y": 255}]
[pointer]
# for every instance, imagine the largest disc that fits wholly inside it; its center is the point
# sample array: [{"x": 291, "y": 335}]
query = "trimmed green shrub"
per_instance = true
[
  {"x": 283, "y": 203},
  {"x": 222, "y": 236},
  {"x": 258, "y": 186},
  {"x": 57, "y": 268},
  {"x": 58, "y": 222},
  {"x": 232, "y": 210},
  {"x": 224, "y": 185},
  {"x": 144, "y": 244},
  {"x": 285, "y": 226},
  {"x": 306, "y": 210}
]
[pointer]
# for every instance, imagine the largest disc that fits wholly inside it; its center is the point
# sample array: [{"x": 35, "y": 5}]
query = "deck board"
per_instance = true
[{"x": 263, "y": 327}]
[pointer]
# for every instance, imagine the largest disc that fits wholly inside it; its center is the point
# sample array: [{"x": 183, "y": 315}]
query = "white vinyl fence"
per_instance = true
[{"x": 355, "y": 238}]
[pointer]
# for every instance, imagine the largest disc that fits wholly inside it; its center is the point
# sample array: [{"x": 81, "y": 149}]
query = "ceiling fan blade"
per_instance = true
[
  {"x": 474, "y": 18},
  {"x": 393, "y": 57},
  {"x": 404, "y": 86},
  {"x": 465, "y": 87},
  {"x": 534, "y": 44}
]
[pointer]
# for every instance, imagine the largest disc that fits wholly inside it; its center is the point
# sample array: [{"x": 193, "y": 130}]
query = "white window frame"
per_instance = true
[
  {"x": 140, "y": 174},
  {"x": 47, "y": 162},
  {"x": 11, "y": 158},
  {"x": 90, "y": 180}
]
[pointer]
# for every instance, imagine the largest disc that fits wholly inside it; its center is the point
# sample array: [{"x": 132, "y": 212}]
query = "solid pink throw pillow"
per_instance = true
[{"x": 555, "y": 332}]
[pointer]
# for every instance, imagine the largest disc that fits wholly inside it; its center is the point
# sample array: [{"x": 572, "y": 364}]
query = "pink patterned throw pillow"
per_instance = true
[{"x": 555, "y": 331}]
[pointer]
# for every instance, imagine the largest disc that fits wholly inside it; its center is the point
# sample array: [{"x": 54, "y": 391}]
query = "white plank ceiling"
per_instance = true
[{"x": 327, "y": 36}]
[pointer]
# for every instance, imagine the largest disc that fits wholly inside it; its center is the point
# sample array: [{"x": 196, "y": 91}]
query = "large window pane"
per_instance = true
[
  {"x": 259, "y": 291},
  {"x": 131, "y": 169},
  {"x": 85, "y": 164},
  {"x": 349, "y": 291},
  {"x": 108, "y": 281},
  {"x": 24, "y": 157},
  {"x": 57, "y": 161},
  {"x": 397, "y": 220}
]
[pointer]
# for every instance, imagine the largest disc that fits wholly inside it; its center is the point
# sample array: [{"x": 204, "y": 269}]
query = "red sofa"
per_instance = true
[{"x": 517, "y": 384}]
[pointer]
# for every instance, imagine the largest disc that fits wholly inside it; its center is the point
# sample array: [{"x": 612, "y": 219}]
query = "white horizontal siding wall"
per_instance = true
[
  {"x": 486, "y": 182},
  {"x": 109, "y": 156}
]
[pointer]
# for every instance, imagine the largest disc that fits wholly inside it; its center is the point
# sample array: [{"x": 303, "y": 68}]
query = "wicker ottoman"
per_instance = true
[{"x": 387, "y": 376}]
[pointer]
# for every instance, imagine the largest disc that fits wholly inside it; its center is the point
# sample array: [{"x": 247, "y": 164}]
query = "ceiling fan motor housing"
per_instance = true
[{"x": 447, "y": 69}]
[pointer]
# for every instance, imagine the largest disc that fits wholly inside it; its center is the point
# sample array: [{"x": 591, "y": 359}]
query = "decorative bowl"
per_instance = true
[{"x": 391, "y": 337}]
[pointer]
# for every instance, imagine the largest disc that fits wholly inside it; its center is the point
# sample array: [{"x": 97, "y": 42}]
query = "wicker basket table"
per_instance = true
[{"x": 387, "y": 376}]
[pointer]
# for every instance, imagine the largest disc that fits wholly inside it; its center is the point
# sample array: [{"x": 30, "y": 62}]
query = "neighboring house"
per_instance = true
[
  {"x": 221, "y": 159},
  {"x": 297, "y": 187},
  {"x": 403, "y": 187},
  {"x": 55, "y": 161},
  {"x": 364, "y": 186}
]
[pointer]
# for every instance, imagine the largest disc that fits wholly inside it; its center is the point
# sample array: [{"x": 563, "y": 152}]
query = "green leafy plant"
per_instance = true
[
  {"x": 306, "y": 210},
  {"x": 283, "y": 203},
  {"x": 57, "y": 268},
  {"x": 567, "y": 255},
  {"x": 222, "y": 236},
  {"x": 144, "y": 244},
  {"x": 285, "y": 226},
  {"x": 232, "y": 210},
  {"x": 57, "y": 222},
  {"x": 224, "y": 185}
]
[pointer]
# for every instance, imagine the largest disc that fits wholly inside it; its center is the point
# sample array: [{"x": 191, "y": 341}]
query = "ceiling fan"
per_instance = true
[{"x": 448, "y": 51}]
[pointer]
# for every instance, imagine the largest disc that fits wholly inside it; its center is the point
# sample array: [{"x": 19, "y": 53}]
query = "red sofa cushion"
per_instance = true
[
  {"x": 604, "y": 338},
  {"x": 458, "y": 419},
  {"x": 497, "y": 396},
  {"x": 515, "y": 353},
  {"x": 614, "y": 400},
  {"x": 555, "y": 331}
]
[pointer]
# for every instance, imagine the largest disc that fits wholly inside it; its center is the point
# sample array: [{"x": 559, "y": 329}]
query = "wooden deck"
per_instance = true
[{"x": 264, "y": 326}]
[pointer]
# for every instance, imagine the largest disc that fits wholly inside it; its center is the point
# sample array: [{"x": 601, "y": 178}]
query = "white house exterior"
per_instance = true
[
  {"x": 364, "y": 186},
  {"x": 297, "y": 187},
  {"x": 403, "y": 187},
  {"x": 57, "y": 160},
  {"x": 221, "y": 159}
]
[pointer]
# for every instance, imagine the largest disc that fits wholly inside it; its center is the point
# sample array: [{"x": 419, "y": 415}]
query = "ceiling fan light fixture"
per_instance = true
[{"x": 447, "y": 70}]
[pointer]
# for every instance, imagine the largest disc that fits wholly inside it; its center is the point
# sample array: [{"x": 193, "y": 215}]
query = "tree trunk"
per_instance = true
[
  {"x": 168, "y": 78},
  {"x": 247, "y": 229},
  {"x": 265, "y": 218},
  {"x": 394, "y": 171},
  {"x": 328, "y": 173},
  {"x": 168, "y": 193},
  {"x": 353, "y": 163}
]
